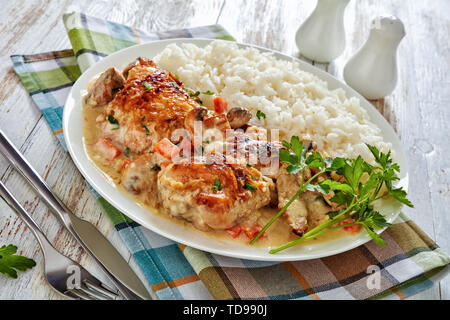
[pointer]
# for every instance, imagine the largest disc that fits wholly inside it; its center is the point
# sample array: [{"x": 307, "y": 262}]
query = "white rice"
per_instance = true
[{"x": 294, "y": 101}]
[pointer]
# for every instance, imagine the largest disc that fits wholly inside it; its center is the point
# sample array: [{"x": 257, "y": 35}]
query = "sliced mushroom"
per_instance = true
[
  {"x": 102, "y": 90},
  {"x": 238, "y": 117},
  {"x": 197, "y": 114}
]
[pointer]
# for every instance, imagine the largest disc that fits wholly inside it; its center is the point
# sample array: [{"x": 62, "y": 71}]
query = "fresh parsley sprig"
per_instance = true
[
  {"x": 10, "y": 262},
  {"x": 360, "y": 187}
]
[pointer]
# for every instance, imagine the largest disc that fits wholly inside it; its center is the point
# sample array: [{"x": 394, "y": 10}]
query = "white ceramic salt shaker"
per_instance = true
[
  {"x": 372, "y": 71},
  {"x": 322, "y": 36}
]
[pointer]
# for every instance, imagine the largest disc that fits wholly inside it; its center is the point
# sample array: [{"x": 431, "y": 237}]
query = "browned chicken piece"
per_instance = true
[
  {"x": 102, "y": 90},
  {"x": 151, "y": 106},
  {"x": 214, "y": 194}
]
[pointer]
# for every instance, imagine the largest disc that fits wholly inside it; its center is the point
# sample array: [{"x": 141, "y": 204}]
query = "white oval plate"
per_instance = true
[{"x": 73, "y": 134}]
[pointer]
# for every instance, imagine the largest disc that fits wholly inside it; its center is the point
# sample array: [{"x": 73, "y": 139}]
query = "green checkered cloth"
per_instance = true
[{"x": 410, "y": 263}]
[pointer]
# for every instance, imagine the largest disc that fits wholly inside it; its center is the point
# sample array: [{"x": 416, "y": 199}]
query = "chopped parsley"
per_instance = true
[
  {"x": 260, "y": 115},
  {"x": 155, "y": 167},
  {"x": 148, "y": 86},
  {"x": 217, "y": 186},
  {"x": 209, "y": 93},
  {"x": 175, "y": 84},
  {"x": 113, "y": 121},
  {"x": 147, "y": 132},
  {"x": 206, "y": 141},
  {"x": 127, "y": 152},
  {"x": 193, "y": 94},
  {"x": 249, "y": 186}
]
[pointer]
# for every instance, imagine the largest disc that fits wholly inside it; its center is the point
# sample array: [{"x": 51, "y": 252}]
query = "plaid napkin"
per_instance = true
[{"x": 408, "y": 264}]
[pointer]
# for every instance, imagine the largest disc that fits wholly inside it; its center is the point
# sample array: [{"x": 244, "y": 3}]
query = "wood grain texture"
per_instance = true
[{"x": 417, "y": 109}]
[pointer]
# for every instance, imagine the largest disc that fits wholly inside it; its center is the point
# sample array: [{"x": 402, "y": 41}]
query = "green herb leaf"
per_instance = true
[
  {"x": 373, "y": 218},
  {"x": 342, "y": 198},
  {"x": 383, "y": 159},
  {"x": 147, "y": 132},
  {"x": 127, "y": 152},
  {"x": 315, "y": 160},
  {"x": 375, "y": 236},
  {"x": 209, "y": 93},
  {"x": 335, "y": 164},
  {"x": 400, "y": 195},
  {"x": 175, "y": 84},
  {"x": 217, "y": 186},
  {"x": 249, "y": 186},
  {"x": 113, "y": 121},
  {"x": 193, "y": 94},
  {"x": 148, "y": 86},
  {"x": 11, "y": 263},
  {"x": 335, "y": 185},
  {"x": 260, "y": 115},
  {"x": 155, "y": 167},
  {"x": 297, "y": 146}
]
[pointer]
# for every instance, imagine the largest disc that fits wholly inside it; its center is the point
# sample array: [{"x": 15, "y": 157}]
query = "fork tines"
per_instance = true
[{"x": 91, "y": 291}]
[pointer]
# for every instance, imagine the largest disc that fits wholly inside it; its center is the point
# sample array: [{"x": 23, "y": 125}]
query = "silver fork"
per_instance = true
[{"x": 63, "y": 274}]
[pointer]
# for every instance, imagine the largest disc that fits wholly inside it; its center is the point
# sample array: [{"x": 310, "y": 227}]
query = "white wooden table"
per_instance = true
[{"x": 419, "y": 108}]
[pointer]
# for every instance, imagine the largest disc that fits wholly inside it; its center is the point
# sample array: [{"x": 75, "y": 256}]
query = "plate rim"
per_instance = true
[{"x": 323, "y": 75}]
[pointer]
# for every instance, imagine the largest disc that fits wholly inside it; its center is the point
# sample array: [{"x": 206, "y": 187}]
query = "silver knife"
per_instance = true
[{"x": 92, "y": 241}]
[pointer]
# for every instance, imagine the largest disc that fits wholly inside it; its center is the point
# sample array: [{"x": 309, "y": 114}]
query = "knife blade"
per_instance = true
[{"x": 92, "y": 240}]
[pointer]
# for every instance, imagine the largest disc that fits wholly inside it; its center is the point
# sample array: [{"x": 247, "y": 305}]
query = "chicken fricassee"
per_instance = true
[{"x": 204, "y": 165}]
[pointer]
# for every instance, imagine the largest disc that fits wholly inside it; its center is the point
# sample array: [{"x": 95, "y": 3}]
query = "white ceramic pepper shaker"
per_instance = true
[
  {"x": 322, "y": 36},
  {"x": 372, "y": 71}
]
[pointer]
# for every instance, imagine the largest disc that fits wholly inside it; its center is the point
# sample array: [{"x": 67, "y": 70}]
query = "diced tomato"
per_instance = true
[
  {"x": 166, "y": 148},
  {"x": 234, "y": 231},
  {"x": 220, "y": 105},
  {"x": 350, "y": 229},
  {"x": 107, "y": 149},
  {"x": 252, "y": 231}
]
